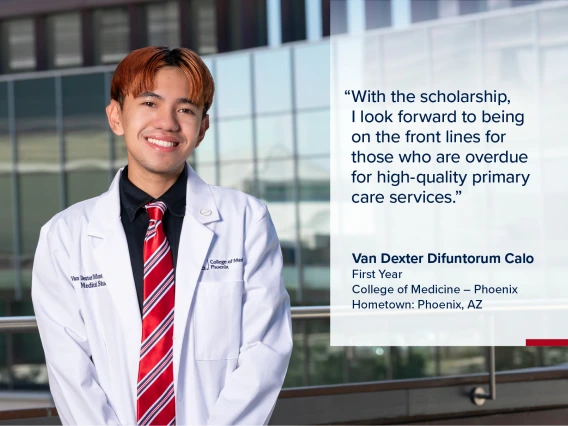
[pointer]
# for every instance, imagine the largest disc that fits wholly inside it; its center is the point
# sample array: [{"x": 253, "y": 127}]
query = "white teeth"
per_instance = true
[{"x": 160, "y": 143}]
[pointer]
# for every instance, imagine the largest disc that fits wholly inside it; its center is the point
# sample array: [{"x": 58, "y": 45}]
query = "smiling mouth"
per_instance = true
[{"x": 160, "y": 142}]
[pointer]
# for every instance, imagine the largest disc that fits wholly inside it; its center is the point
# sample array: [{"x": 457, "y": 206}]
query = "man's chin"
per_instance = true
[{"x": 159, "y": 168}]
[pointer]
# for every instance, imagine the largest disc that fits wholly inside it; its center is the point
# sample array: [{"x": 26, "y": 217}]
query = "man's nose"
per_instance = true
[{"x": 166, "y": 119}]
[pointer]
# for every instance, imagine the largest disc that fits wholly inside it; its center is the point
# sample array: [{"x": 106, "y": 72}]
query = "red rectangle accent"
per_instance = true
[{"x": 546, "y": 342}]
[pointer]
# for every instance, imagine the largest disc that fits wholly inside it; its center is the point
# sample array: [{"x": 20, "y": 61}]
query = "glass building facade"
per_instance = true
[{"x": 269, "y": 137}]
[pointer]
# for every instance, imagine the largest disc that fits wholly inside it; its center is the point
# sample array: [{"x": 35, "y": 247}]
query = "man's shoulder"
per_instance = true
[
  {"x": 234, "y": 200},
  {"x": 73, "y": 217}
]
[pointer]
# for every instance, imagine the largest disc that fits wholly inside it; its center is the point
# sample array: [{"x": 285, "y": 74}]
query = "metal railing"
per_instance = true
[
  {"x": 17, "y": 324},
  {"x": 477, "y": 394},
  {"x": 28, "y": 323},
  {"x": 423, "y": 401}
]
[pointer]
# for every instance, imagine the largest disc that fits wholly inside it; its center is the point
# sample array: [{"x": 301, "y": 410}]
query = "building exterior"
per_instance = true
[
  {"x": 269, "y": 134},
  {"x": 37, "y": 36}
]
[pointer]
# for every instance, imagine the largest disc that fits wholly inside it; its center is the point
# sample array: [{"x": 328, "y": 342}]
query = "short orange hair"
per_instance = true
[{"x": 135, "y": 74}]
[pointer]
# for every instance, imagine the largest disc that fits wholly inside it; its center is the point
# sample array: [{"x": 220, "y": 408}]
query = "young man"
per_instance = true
[{"x": 162, "y": 300}]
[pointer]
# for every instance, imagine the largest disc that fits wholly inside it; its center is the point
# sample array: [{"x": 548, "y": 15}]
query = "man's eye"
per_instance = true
[
  {"x": 150, "y": 104},
  {"x": 186, "y": 111}
]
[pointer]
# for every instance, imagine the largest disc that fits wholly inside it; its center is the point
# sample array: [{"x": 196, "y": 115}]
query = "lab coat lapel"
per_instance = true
[
  {"x": 114, "y": 259},
  {"x": 195, "y": 241}
]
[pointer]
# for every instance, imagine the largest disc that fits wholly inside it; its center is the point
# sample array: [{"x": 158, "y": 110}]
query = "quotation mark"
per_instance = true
[{"x": 457, "y": 193}]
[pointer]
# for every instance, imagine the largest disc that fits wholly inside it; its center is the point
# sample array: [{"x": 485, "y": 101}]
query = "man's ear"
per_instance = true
[
  {"x": 114, "y": 115},
  {"x": 202, "y": 129}
]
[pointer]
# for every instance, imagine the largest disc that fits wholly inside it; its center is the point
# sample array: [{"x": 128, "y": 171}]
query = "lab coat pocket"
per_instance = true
[{"x": 217, "y": 321}]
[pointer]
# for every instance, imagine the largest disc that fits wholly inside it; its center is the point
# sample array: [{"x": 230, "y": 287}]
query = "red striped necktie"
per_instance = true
[{"x": 156, "y": 400}]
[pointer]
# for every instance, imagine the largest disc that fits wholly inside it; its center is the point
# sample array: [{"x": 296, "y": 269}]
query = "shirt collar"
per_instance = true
[{"x": 133, "y": 198}]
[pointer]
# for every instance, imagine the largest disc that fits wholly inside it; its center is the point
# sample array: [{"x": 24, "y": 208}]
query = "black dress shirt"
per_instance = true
[{"x": 135, "y": 221}]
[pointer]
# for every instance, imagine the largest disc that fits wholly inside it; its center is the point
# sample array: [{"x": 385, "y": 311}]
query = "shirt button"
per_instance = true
[{"x": 205, "y": 212}]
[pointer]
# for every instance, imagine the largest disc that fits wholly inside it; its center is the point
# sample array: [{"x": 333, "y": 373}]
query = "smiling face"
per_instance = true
[{"x": 161, "y": 127}]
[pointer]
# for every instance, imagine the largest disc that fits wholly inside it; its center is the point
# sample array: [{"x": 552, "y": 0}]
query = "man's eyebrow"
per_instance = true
[
  {"x": 185, "y": 101},
  {"x": 155, "y": 95},
  {"x": 150, "y": 95}
]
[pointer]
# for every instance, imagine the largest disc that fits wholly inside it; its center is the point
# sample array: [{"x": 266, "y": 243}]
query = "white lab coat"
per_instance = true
[{"x": 232, "y": 327}]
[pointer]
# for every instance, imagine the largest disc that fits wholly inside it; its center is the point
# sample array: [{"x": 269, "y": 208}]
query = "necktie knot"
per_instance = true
[{"x": 156, "y": 210}]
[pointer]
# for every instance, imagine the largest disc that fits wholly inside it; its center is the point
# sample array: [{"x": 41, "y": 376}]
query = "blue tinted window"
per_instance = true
[
  {"x": 272, "y": 81},
  {"x": 235, "y": 140},
  {"x": 313, "y": 132},
  {"x": 274, "y": 136},
  {"x": 233, "y": 85},
  {"x": 312, "y": 75}
]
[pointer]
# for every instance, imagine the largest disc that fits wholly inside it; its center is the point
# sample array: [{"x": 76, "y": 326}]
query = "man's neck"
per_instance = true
[{"x": 153, "y": 184}]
